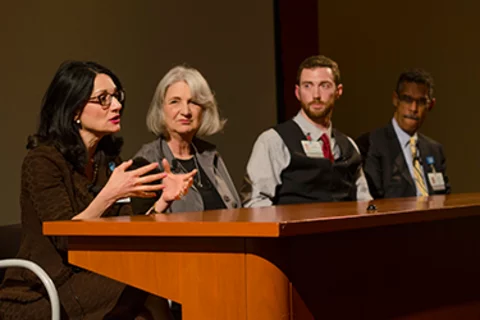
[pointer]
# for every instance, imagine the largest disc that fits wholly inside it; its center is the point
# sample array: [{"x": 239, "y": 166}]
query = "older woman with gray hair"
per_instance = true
[{"x": 184, "y": 107}]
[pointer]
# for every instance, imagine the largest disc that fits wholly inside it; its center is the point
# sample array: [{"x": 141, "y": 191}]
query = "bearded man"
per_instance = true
[{"x": 305, "y": 159}]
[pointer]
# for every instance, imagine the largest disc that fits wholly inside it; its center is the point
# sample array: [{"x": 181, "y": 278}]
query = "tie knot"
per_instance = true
[{"x": 413, "y": 141}]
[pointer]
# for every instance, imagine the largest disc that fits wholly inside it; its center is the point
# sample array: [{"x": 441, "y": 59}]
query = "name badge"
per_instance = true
[
  {"x": 123, "y": 200},
  {"x": 436, "y": 181},
  {"x": 313, "y": 149}
]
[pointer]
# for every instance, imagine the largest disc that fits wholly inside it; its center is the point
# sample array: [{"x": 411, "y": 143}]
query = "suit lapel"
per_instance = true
[{"x": 399, "y": 163}]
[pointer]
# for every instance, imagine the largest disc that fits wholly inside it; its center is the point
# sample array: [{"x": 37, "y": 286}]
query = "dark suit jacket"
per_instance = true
[{"x": 386, "y": 168}]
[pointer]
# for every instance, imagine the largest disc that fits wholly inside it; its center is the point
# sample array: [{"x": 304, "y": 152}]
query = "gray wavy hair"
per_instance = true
[{"x": 201, "y": 93}]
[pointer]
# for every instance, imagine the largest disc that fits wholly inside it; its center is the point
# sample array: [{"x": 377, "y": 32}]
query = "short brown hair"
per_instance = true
[{"x": 320, "y": 61}]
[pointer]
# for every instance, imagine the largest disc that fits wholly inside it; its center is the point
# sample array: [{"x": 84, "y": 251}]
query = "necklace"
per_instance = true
[
  {"x": 197, "y": 179},
  {"x": 95, "y": 172},
  {"x": 199, "y": 174}
]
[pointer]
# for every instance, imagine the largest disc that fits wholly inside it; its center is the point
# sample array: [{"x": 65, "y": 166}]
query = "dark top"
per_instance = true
[
  {"x": 210, "y": 196},
  {"x": 316, "y": 179},
  {"x": 52, "y": 190},
  {"x": 385, "y": 167},
  {"x": 209, "y": 161}
]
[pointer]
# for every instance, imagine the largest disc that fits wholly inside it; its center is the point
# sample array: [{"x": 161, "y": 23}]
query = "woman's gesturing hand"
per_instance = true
[
  {"x": 175, "y": 186},
  {"x": 134, "y": 183}
]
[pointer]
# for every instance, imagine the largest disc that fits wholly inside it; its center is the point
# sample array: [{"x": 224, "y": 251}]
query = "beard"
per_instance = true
[{"x": 318, "y": 113}]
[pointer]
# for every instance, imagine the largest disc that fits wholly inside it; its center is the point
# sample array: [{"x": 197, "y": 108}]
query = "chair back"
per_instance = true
[{"x": 40, "y": 273}]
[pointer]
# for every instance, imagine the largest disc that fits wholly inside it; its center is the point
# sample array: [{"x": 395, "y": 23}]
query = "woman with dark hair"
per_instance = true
[{"x": 73, "y": 171}]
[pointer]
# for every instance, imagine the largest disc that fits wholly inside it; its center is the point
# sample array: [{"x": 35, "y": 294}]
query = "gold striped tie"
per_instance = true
[{"x": 417, "y": 171}]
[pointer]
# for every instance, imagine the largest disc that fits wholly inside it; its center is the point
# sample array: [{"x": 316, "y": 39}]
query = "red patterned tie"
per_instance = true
[{"x": 327, "y": 152}]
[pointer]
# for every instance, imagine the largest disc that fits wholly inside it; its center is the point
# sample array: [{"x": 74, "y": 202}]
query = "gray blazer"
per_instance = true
[{"x": 210, "y": 161}]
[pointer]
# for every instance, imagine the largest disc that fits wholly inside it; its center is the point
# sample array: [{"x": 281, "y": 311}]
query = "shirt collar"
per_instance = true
[
  {"x": 402, "y": 136},
  {"x": 309, "y": 128}
]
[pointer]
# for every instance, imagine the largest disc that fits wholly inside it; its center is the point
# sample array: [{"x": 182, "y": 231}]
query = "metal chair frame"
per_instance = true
[{"x": 47, "y": 282}]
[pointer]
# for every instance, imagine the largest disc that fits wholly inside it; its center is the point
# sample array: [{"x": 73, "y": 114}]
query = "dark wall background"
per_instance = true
[
  {"x": 231, "y": 43},
  {"x": 374, "y": 41}
]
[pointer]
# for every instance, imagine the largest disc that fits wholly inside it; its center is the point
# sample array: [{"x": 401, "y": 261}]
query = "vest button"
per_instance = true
[
  {"x": 235, "y": 205},
  {"x": 226, "y": 198}
]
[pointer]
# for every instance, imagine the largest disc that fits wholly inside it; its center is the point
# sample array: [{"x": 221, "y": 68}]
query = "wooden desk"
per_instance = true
[{"x": 411, "y": 258}]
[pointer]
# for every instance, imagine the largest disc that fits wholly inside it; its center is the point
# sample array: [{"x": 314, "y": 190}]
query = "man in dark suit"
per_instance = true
[{"x": 399, "y": 161}]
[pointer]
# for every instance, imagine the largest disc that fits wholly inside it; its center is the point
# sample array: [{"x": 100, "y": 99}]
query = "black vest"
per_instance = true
[{"x": 316, "y": 179}]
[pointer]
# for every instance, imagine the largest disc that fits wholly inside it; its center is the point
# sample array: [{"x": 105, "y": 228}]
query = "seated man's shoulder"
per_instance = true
[
  {"x": 268, "y": 135},
  {"x": 375, "y": 139},
  {"x": 337, "y": 134},
  {"x": 377, "y": 134},
  {"x": 430, "y": 141},
  {"x": 363, "y": 143},
  {"x": 269, "y": 140},
  {"x": 358, "y": 148}
]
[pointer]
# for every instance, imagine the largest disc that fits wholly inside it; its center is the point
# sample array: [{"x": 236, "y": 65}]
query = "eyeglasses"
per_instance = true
[
  {"x": 105, "y": 99},
  {"x": 421, "y": 102}
]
